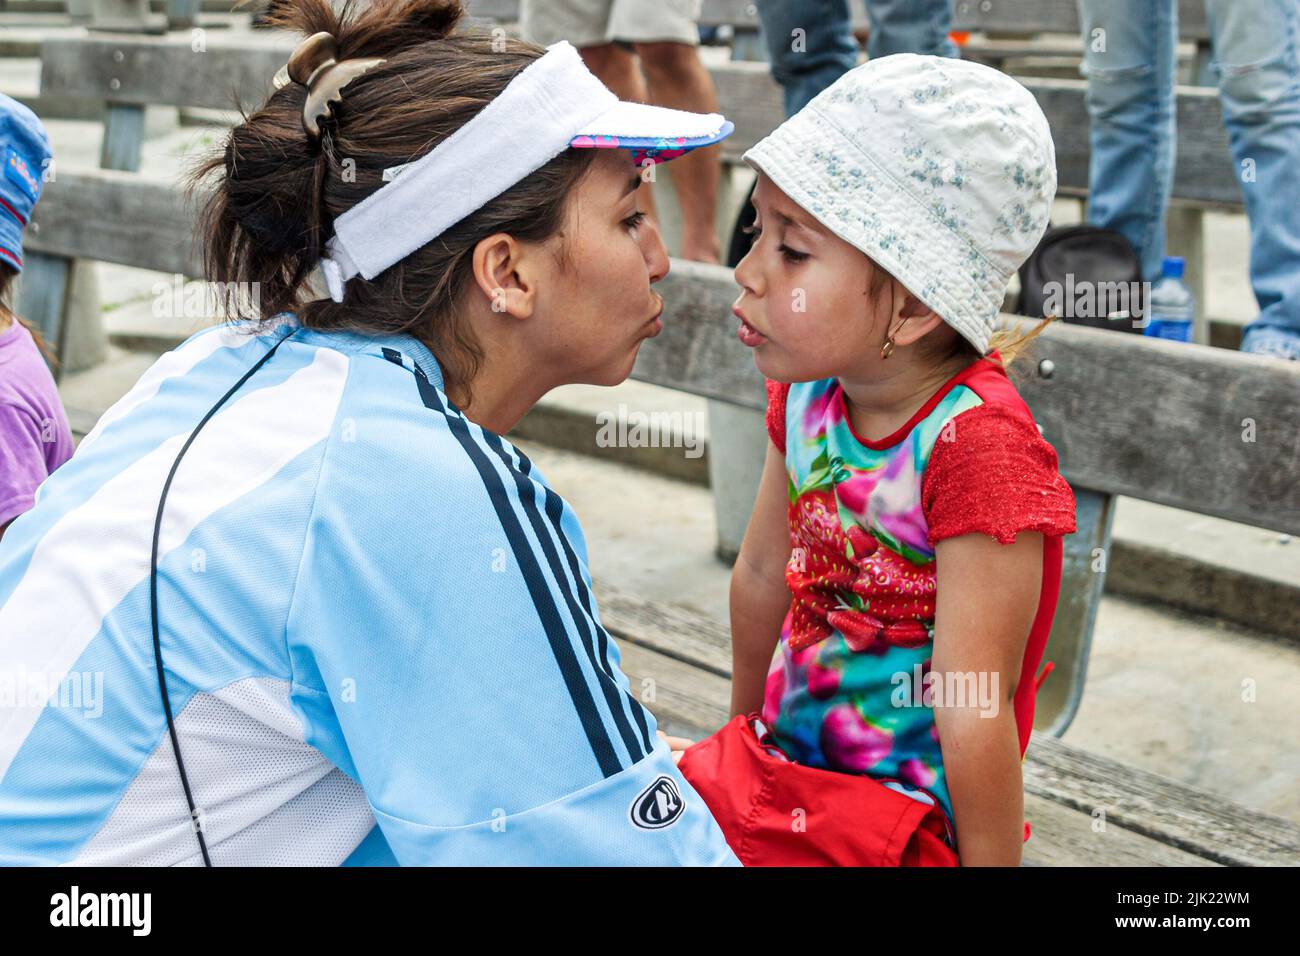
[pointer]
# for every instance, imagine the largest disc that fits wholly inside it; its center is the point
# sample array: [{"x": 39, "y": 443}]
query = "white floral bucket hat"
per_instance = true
[{"x": 941, "y": 170}]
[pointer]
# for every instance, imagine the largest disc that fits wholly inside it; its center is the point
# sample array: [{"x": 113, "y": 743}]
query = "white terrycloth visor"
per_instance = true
[{"x": 554, "y": 103}]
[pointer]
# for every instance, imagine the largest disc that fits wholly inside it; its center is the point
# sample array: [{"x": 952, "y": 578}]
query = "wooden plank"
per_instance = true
[
  {"x": 669, "y": 630},
  {"x": 503, "y": 11},
  {"x": 125, "y": 16},
  {"x": 166, "y": 70},
  {"x": 1062, "y": 836},
  {"x": 998, "y": 16},
  {"x": 157, "y": 6},
  {"x": 694, "y": 700},
  {"x": 43, "y": 295},
  {"x": 686, "y": 701},
  {"x": 1206, "y": 430},
  {"x": 698, "y": 351},
  {"x": 1202, "y": 429},
  {"x": 114, "y": 216},
  {"x": 182, "y": 14},
  {"x": 123, "y": 136},
  {"x": 750, "y": 98},
  {"x": 1054, "y": 16},
  {"x": 1173, "y": 813},
  {"x": 690, "y": 702},
  {"x": 1198, "y": 428},
  {"x": 1205, "y": 173},
  {"x": 738, "y": 13}
]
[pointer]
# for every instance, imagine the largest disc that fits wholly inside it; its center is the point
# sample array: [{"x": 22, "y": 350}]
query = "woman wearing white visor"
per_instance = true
[{"x": 316, "y": 610}]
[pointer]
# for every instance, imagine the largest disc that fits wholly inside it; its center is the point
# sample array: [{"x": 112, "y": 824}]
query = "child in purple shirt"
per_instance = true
[{"x": 34, "y": 434}]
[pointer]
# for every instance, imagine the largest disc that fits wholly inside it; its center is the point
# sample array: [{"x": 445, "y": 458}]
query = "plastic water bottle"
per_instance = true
[{"x": 1172, "y": 307}]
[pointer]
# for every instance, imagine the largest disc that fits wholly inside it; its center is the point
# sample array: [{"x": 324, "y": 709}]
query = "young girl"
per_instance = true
[
  {"x": 34, "y": 434},
  {"x": 904, "y": 552},
  {"x": 341, "y": 618}
]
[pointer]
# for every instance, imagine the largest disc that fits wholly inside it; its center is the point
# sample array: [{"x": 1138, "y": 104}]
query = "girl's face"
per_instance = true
[
  {"x": 598, "y": 303},
  {"x": 804, "y": 307}
]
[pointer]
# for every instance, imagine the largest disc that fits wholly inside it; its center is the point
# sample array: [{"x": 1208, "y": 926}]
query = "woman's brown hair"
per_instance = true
[{"x": 277, "y": 193}]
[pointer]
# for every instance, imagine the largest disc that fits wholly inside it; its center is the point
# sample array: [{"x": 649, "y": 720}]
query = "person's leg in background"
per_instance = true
[
  {"x": 585, "y": 24},
  {"x": 1129, "y": 60},
  {"x": 810, "y": 45},
  {"x": 617, "y": 67},
  {"x": 1257, "y": 62},
  {"x": 910, "y": 26},
  {"x": 666, "y": 38},
  {"x": 677, "y": 79}
]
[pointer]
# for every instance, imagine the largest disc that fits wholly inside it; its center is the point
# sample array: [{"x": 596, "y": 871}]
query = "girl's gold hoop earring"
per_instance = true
[{"x": 888, "y": 348}]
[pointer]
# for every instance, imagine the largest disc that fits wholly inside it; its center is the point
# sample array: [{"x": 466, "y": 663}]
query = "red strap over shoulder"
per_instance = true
[
  {"x": 990, "y": 472},
  {"x": 776, "y": 396}
]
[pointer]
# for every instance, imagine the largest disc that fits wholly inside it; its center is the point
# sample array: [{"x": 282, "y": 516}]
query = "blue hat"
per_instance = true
[{"x": 25, "y": 154}]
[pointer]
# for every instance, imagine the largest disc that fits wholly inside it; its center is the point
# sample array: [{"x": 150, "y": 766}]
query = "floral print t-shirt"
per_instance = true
[{"x": 845, "y": 690}]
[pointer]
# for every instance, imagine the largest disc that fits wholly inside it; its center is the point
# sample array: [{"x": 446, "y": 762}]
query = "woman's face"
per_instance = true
[
  {"x": 597, "y": 305},
  {"x": 804, "y": 304}
]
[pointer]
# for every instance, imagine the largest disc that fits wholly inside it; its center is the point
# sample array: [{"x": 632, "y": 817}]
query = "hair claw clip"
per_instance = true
[{"x": 314, "y": 64}]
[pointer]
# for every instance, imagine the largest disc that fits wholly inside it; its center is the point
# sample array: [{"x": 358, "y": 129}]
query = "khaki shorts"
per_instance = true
[{"x": 595, "y": 22}]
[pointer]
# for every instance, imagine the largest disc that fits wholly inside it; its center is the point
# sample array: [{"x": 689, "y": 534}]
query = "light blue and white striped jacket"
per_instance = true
[{"x": 376, "y": 621}]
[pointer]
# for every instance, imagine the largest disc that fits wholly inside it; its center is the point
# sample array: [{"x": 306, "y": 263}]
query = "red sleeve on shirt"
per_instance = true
[
  {"x": 990, "y": 472},
  {"x": 776, "y": 395}
]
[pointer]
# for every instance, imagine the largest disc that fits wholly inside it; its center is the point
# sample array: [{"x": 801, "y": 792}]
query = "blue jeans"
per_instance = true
[
  {"x": 1130, "y": 65},
  {"x": 805, "y": 64}
]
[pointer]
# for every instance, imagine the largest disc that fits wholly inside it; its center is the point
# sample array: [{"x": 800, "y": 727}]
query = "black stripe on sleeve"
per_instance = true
[
  {"x": 586, "y": 625},
  {"x": 554, "y": 510},
  {"x": 566, "y": 657}
]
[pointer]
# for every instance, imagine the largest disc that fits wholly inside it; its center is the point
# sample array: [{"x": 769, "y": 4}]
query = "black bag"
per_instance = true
[{"x": 1086, "y": 276}]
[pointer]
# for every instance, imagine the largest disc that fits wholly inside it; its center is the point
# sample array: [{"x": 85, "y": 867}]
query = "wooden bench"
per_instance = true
[
  {"x": 128, "y": 72},
  {"x": 160, "y": 14},
  {"x": 1128, "y": 415},
  {"x": 1084, "y": 809},
  {"x": 1181, "y": 407}
]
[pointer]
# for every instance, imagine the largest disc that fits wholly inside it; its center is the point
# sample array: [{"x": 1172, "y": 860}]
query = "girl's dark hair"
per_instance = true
[
  {"x": 7, "y": 275},
  {"x": 277, "y": 192}
]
